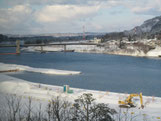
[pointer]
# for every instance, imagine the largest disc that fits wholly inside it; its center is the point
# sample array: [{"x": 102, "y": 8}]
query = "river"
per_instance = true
[{"x": 99, "y": 71}]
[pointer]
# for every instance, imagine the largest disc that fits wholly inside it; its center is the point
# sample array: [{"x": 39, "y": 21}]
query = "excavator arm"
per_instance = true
[{"x": 141, "y": 100}]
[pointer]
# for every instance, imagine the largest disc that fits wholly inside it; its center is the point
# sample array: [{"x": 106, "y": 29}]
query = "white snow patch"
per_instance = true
[
  {"x": 155, "y": 52},
  {"x": 44, "y": 48},
  {"x": 5, "y": 67}
]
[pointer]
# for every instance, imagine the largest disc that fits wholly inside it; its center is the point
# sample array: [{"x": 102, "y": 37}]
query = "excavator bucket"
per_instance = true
[{"x": 124, "y": 106}]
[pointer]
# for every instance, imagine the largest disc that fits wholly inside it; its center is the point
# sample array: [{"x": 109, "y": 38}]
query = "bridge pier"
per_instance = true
[
  {"x": 41, "y": 49},
  {"x": 17, "y": 47},
  {"x": 65, "y": 48}
]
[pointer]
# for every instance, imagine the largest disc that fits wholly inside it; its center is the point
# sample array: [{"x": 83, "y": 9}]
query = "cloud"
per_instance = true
[
  {"x": 136, "y": 6},
  {"x": 53, "y": 2},
  {"x": 146, "y": 7},
  {"x": 34, "y": 16},
  {"x": 16, "y": 18},
  {"x": 147, "y": 10},
  {"x": 15, "y": 14},
  {"x": 25, "y": 19},
  {"x": 57, "y": 13}
]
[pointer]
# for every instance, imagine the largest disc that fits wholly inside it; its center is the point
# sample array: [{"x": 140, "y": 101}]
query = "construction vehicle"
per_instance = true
[{"x": 128, "y": 103}]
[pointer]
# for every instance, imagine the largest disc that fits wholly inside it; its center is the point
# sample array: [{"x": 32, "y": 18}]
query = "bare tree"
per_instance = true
[
  {"x": 125, "y": 114},
  {"x": 28, "y": 110},
  {"x": 59, "y": 109},
  {"x": 38, "y": 115},
  {"x": 14, "y": 107}
]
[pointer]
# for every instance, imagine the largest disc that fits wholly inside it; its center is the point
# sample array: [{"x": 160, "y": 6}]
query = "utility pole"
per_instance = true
[{"x": 84, "y": 36}]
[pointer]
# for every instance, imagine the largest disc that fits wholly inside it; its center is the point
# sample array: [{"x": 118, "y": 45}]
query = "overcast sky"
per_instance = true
[{"x": 54, "y": 16}]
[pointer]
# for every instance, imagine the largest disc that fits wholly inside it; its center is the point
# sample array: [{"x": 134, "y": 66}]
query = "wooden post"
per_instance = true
[{"x": 17, "y": 46}]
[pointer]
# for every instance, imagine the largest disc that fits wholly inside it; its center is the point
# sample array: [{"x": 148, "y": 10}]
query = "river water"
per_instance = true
[{"x": 99, "y": 71}]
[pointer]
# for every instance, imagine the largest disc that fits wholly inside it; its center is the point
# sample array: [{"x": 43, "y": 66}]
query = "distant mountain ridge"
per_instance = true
[
  {"x": 150, "y": 29},
  {"x": 58, "y": 34},
  {"x": 151, "y": 26},
  {"x": 50, "y": 37}
]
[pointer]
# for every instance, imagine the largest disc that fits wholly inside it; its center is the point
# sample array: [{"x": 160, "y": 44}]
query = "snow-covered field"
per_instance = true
[
  {"x": 11, "y": 85},
  {"x": 44, "y": 93}
]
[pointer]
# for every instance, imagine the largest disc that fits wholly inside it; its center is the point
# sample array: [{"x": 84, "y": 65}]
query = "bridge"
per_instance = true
[
  {"x": 27, "y": 45},
  {"x": 18, "y": 45}
]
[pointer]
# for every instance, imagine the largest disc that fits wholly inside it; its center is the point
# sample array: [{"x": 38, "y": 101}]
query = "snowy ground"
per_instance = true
[
  {"x": 155, "y": 52},
  {"x": 44, "y": 93}
]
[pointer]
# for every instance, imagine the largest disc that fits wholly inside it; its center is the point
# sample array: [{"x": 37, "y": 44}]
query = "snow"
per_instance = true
[
  {"x": 59, "y": 48},
  {"x": 86, "y": 48},
  {"x": 110, "y": 48},
  {"x": 155, "y": 52},
  {"x": 44, "y": 48},
  {"x": 43, "y": 92},
  {"x": 129, "y": 53},
  {"x": 5, "y": 67}
]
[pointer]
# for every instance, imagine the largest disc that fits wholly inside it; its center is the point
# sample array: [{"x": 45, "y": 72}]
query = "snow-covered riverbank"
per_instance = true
[
  {"x": 111, "y": 47},
  {"x": 14, "y": 67},
  {"x": 42, "y": 92}
]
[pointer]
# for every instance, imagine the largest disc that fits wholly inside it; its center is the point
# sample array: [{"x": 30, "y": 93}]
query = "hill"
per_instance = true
[{"x": 150, "y": 29}]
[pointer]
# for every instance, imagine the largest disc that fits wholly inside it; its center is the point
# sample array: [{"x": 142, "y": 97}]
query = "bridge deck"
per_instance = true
[{"x": 27, "y": 45}]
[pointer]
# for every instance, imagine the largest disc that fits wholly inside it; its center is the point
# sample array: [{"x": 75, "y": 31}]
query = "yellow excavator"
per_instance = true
[{"x": 128, "y": 101}]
